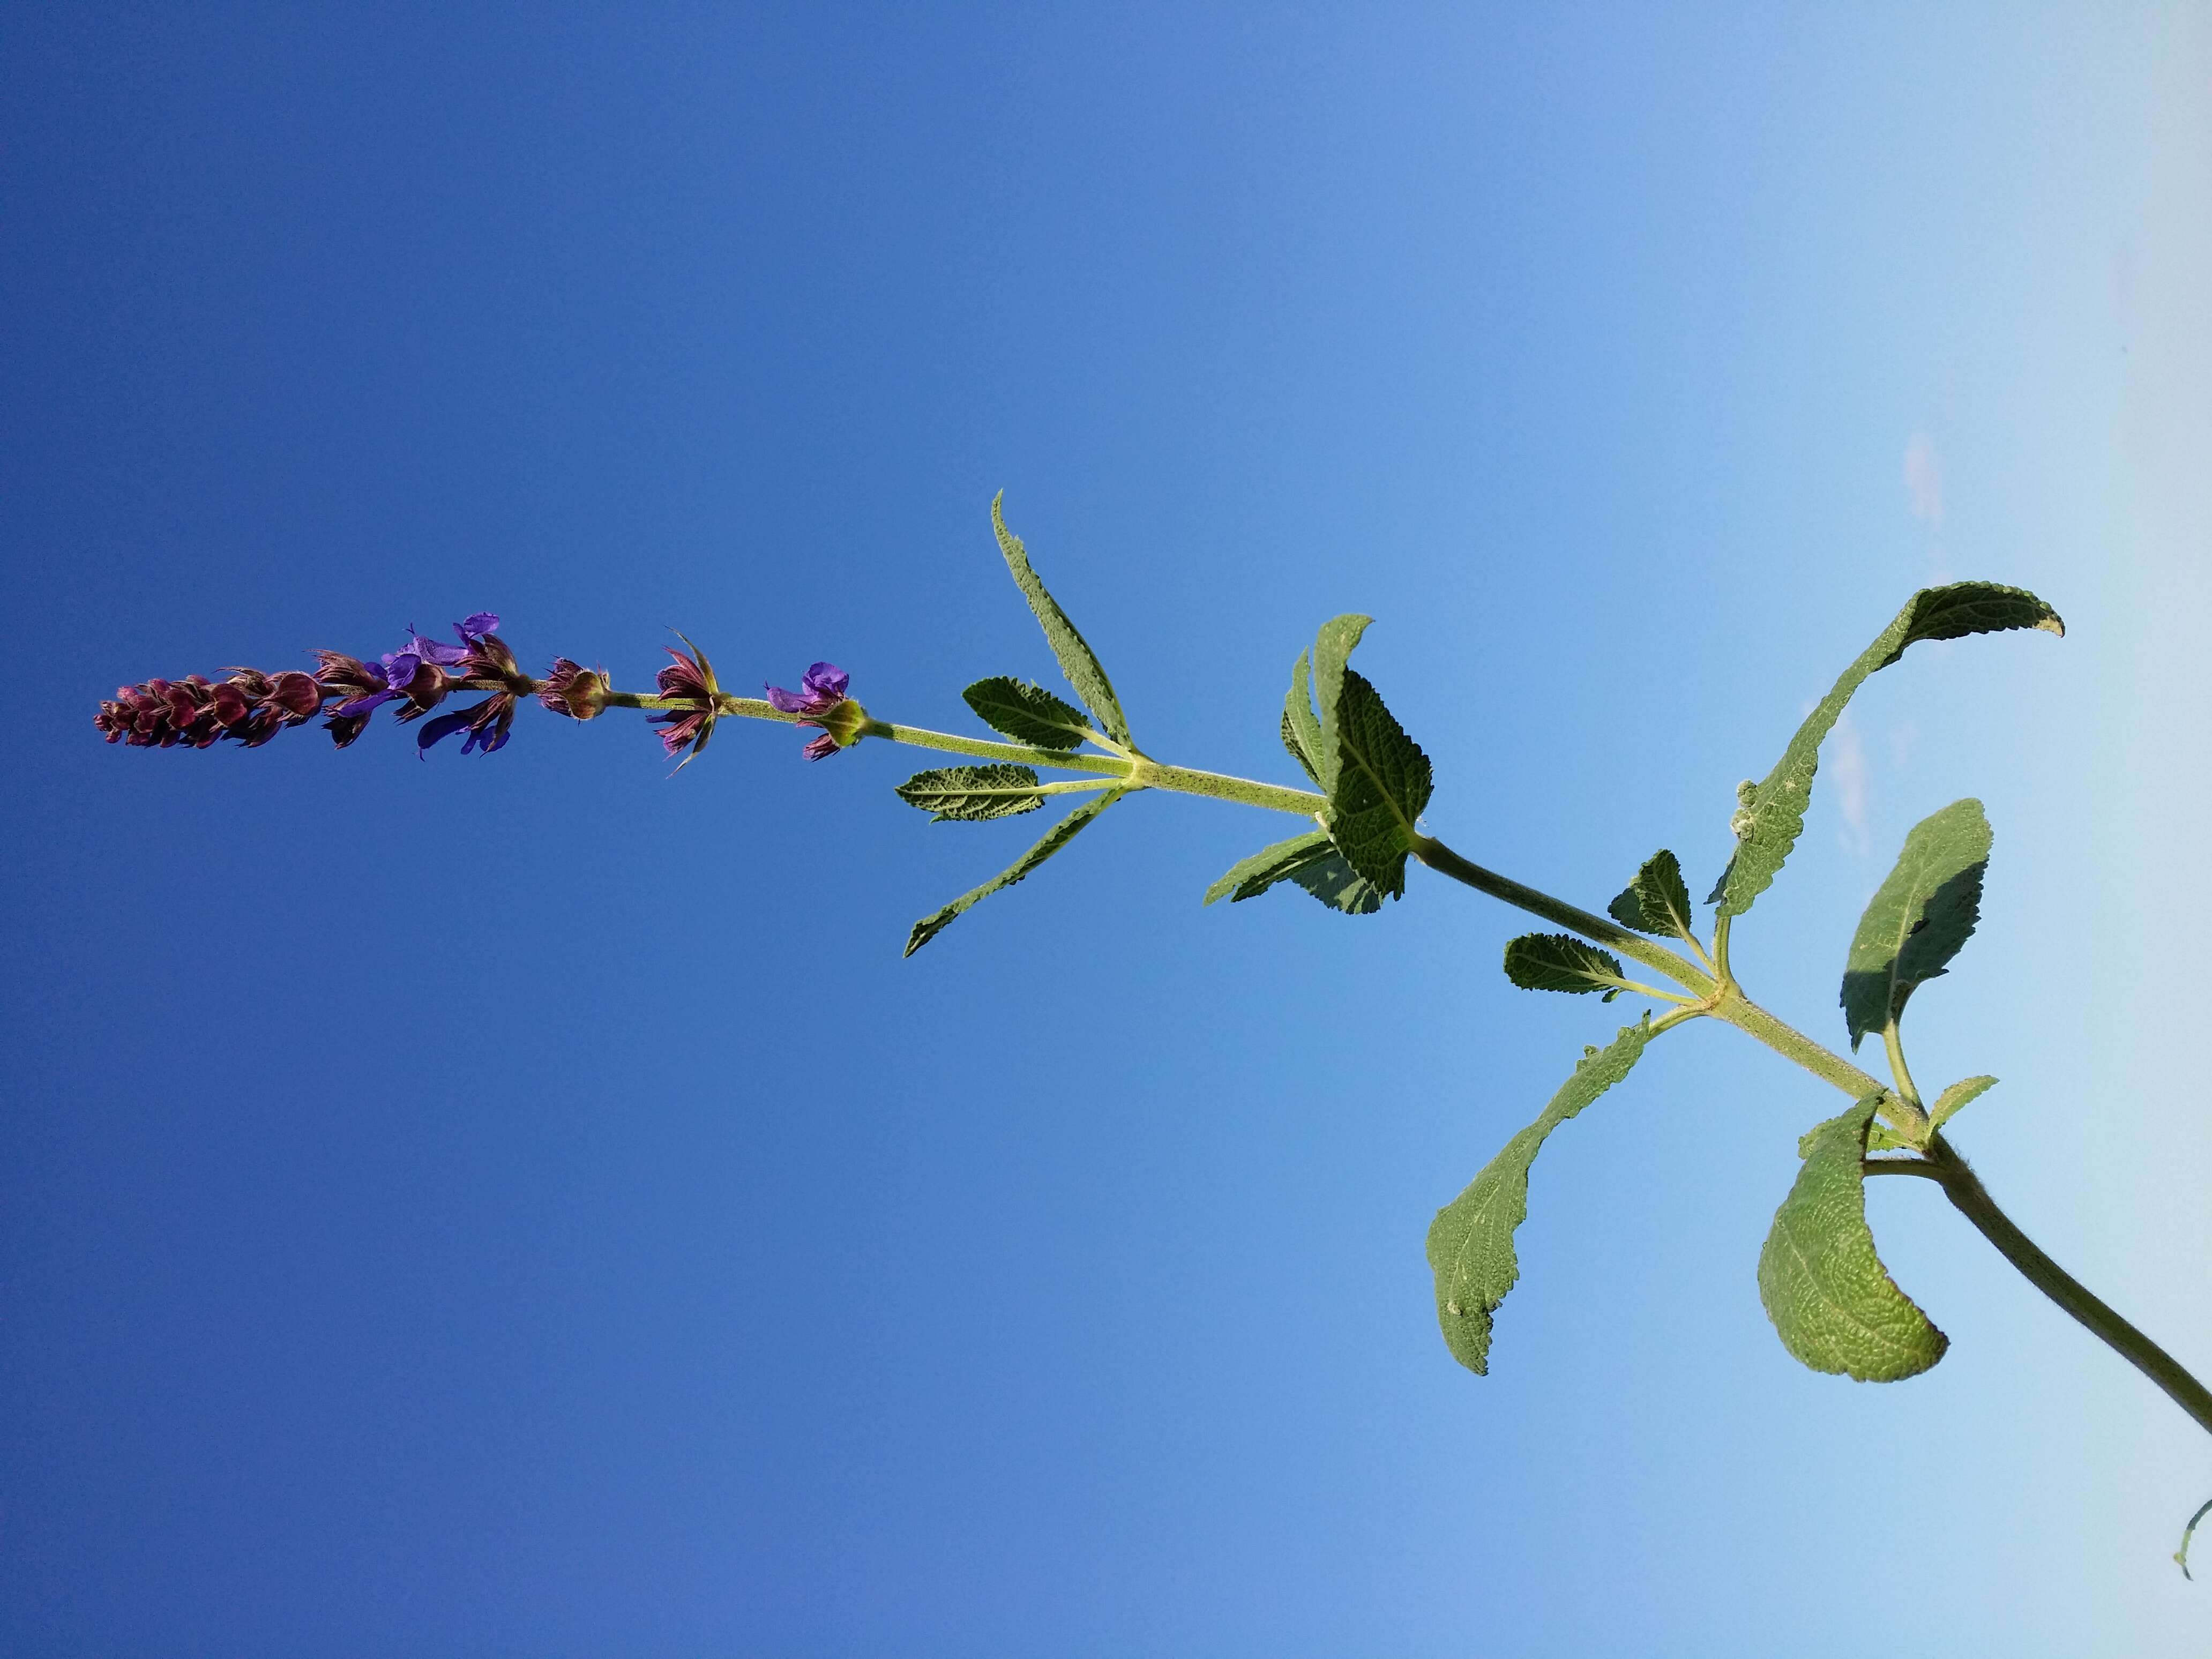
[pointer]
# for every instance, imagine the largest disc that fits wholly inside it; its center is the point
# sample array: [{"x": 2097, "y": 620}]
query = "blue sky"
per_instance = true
[{"x": 527, "y": 1205}]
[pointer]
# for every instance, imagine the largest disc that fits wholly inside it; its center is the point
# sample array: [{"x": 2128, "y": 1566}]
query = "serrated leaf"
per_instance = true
[
  {"x": 970, "y": 794},
  {"x": 1471, "y": 1241},
  {"x": 1960, "y": 1095},
  {"x": 1298, "y": 752},
  {"x": 1919, "y": 916},
  {"x": 1027, "y": 713},
  {"x": 1077, "y": 659},
  {"x": 1333, "y": 648},
  {"x": 1054, "y": 838},
  {"x": 1769, "y": 823},
  {"x": 1880, "y": 1138},
  {"x": 1310, "y": 860},
  {"x": 1340, "y": 886},
  {"x": 1560, "y": 962},
  {"x": 1249, "y": 877},
  {"x": 1302, "y": 733},
  {"x": 1380, "y": 783},
  {"x": 1833, "y": 1303},
  {"x": 1657, "y": 901}
]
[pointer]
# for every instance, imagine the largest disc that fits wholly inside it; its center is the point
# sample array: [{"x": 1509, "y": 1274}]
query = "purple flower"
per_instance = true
[
  {"x": 487, "y": 726},
  {"x": 472, "y": 631},
  {"x": 822, "y": 688}
]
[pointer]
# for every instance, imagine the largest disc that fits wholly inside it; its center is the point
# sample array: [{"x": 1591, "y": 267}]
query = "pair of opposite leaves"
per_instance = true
[{"x": 1833, "y": 1305}]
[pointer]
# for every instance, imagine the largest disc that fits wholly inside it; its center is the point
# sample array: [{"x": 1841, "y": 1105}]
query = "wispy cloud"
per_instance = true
[
  {"x": 1923, "y": 479},
  {"x": 1848, "y": 771}
]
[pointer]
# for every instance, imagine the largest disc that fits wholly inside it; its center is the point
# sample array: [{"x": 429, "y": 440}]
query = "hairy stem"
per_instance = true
[
  {"x": 1717, "y": 994},
  {"x": 1971, "y": 1200},
  {"x": 1598, "y": 929},
  {"x": 1188, "y": 780}
]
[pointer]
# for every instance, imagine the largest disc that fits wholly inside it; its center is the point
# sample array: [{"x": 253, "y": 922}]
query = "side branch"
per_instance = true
[{"x": 1600, "y": 929}]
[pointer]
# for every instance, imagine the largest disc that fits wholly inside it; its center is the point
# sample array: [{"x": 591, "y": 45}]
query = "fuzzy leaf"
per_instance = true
[
  {"x": 1657, "y": 901},
  {"x": 1333, "y": 648},
  {"x": 1312, "y": 861},
  {"x": 972, "y": 794},
  {"x": 1771, "y": 821},
  {"x": 1560, "y": 962},
  {"x": 1832, "y": 1301},
  {"x": 1471, "y": 1241},
  {"x": 1918, "y": 918},
  {"x": 1379, "y": 784},
  {"x": 1297, "y": 749},
  {"x": 1249, "y": 877},
  {"x": 1054, "y": 838},
  {"x": 1340, "y": 886},
  {"x": 1302, "y": 732},
  {"x": 1077, "y": 659},
  {"x": 1961, "y": 1094},
  {"x": 1027, "y": 713}
]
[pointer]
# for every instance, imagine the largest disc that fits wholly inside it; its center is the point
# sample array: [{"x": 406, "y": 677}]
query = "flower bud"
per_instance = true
[{"x": 574, "y": 690}]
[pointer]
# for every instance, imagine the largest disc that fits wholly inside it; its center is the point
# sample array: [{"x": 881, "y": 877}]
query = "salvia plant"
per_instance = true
[{"x": 1833, "y": 1303}]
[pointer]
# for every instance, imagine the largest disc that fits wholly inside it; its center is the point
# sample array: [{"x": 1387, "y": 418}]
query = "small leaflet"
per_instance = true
[
  {"x": 1027, "y": 713},
  {"x": 1959, "y": 1096},
  {"x": 970, "y": 794},
  {"x": 1560, "y": 962},
  {"x": 1658, "y": 901}
]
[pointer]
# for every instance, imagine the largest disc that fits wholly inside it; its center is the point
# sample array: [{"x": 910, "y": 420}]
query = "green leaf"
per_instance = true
[
  {"x": 1769, "y": 821},
  {"x": 1298, "y": 752},
  {"x": 1471, "y": 1241},
  {"x": 1054, "y": 838},
  {"x": 1560, "y": 962},
  {"x": 1333, "y": 648},
  {"x": 1310, "y": 860},
  {"x": 1027, "y": 713},
  {"x": 1379, "y": 784},
  {"x": 1918, "y": 917},
  {"x": 1340, "y": 886},
  {"x": 972, "y": 794},
  {"x": 1832, "y": 1301},
  {"x": 1249, "y": 877},
  {"x": 1880, "y": 1138},
  {"x": 1077, "y": 660},
  {"x": 1961, "y": 1094},
  {"x": 1302, "y": 733},
  {"x": 1657, "y": 901}
]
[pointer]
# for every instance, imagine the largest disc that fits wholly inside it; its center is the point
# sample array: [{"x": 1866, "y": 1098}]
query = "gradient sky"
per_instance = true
[{"x": 526, "y": 1205}]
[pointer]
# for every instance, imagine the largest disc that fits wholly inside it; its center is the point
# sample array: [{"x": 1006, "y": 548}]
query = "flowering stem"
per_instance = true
[{"x": 920, "y": 737}]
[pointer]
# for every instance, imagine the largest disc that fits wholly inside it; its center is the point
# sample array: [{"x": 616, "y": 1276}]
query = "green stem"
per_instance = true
[
  {"x": 1215, "y": 786},
  {"x": 1445, "y": 862},
  {"x": 1716, "y": 993},
  {"x": 1643, "y": 990},
  {"x": 1971, "y": 1200},
  {"x": 1067, "y": 760},
  {"x": 1898, "y": 1068}
]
